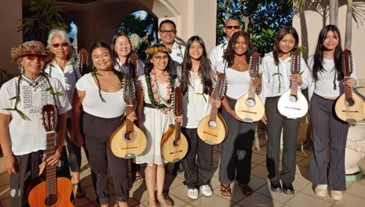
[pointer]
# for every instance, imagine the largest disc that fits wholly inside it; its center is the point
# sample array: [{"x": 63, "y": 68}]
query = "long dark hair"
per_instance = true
[
  {"x": 279, "y": 36},
  {"x": 229, "y": 52},
  {"x": 118, "y": 74},
  {"x": 205, "y": 70},
  {"x": 132, "y": 57},
  {"x": 169, "y": 68},
  {"x": 318, "y": 55}
]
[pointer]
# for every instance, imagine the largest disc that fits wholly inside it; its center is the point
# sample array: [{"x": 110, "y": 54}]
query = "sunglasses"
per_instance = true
[
  {"x": 65, "y": 44},
  {"x": 33, "y": 57},
  {"x": 232, "y": 27}
]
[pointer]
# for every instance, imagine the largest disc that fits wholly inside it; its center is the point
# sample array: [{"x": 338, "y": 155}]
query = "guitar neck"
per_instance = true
[
  {"x": 348, "y": 93},
  {"x": 252, "y": 90},
  {"x": 51, "y": 170},
  {"x": 129, "y": 123},
  {"x": 294, "y": 88},
  {"x": 177, "y": 132}
]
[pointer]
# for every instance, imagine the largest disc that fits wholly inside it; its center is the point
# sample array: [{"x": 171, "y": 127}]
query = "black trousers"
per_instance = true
[
  {"x": 198, "y": 163},
  {"x": 97, "y": 132},
  {"x": 275, "y": 124},
  {"x": 236, "y": 149}
]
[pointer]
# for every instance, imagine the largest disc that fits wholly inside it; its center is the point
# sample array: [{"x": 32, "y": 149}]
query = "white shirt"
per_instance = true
[
  {"x": 114, "y": 105},
  {"x": 177, "y": 53},
  {"x": 276, "y": 78},
  {"x": 196, "y": 104},
  {"x": 68, "y": 76},
  {"x": 30, "y": 136},
  {"x": 238, "y": 82},
  {"x": 216, "y": 55},
  {"x": 325, "y": 85}
]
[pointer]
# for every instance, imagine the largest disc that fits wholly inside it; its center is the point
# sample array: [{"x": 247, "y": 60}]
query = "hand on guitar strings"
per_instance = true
[
  {"x": 132, "y": 116},
  {"x": 178, "y": 119},
  {"x": 10, "y": 164},
  {"x": 53, "y": 159},
  {"x": 216, "y": 103},
  {"x": 297, "y": 78},
  {"x": 349, "y": 81},
  {"x": 256, "y": 82},
  {"x": 264, "y": 119}
]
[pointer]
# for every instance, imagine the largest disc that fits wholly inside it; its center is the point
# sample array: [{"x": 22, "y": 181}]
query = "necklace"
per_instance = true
[
  {"x": 35, "y": 83},
  {"x": 164, "y": 104}
]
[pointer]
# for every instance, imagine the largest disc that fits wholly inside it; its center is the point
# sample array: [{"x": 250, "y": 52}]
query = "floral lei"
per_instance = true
[{"x": 163, "y": 104}]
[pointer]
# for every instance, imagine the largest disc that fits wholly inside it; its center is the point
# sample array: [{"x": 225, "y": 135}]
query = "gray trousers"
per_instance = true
[
  {"x": 275, "y": 124},
  {"x": 198, "y": 163},
  {"x": 236, "y": 149},
  {"x": 328, "y": 132},
  {"x": 97, "y": 132}
]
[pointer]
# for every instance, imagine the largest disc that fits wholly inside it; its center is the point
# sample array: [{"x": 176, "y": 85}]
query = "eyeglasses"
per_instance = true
[
  {"x": 65, "y": 44},
  {"x": 33, "y": 57},
  {"x": 232, "y": 27},
  {"x": 168, "y": 31}
]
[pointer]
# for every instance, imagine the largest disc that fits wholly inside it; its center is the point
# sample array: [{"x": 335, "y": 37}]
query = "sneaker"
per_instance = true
[
  {"x": 336, "y": 195},
  {"x": 193, "y": 193},
  {"x": 321, "y": 190},
  {"x": 206, "y": 190}
]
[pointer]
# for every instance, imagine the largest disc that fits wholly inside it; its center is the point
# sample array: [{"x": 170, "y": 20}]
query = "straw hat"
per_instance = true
[{"x": 30, "y": 48}]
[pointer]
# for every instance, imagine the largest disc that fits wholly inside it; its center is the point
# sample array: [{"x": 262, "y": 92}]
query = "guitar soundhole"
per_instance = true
[
  {"x": 51, "y": 200},
  {"x": 212, "y": 124},
  {"x": 350, "y": 102},
  {"x": 176, "y": 143},
  {"x": 250, "y": 102},
  {"x": 129, "y": 136},
  {"x": 293, "y": 99}
]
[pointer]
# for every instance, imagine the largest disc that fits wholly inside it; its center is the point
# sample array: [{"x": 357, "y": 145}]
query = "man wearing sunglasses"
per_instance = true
[
  {"x": 167, "y": 32},
  {"x": 216, "y": 55}
]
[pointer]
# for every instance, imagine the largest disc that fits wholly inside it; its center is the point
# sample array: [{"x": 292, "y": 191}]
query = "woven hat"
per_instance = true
[{"x": 32, "y": 47}]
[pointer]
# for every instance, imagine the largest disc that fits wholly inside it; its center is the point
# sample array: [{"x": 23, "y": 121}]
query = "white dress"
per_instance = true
[{"x": 155, "y": 124}]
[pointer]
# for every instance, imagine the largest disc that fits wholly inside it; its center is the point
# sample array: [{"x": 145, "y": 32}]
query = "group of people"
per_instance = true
[{"x": 91, "y": 107}]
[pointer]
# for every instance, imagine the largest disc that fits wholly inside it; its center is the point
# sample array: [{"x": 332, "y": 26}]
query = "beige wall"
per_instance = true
[
  {"x": 10, "y": 11},
  {"x": 311, "y": 22}
]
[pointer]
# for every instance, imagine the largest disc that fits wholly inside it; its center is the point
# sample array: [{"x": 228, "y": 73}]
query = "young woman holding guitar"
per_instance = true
[
  {"x": 197, "y": 79},
  {"x": 127, "y": 62},
  {"x": 156, "y": 89},
  {"x": 328, "y": 130},
  {"x": 236, "y": 149},
  {"x": 99, "y": 96},
  {"x": 276, "y": 80},
  {"x": 21, "y": 103}
]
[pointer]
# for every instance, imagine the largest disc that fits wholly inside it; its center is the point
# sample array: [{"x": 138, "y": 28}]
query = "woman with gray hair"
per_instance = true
[{"x": 64, "y": 68}]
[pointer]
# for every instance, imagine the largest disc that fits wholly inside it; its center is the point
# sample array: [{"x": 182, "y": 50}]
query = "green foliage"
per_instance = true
[
  {"x": 264, "y": 18},
  {"x": 44, "y": 16}
]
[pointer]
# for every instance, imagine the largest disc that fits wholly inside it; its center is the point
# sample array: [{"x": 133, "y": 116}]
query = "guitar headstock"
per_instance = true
[
  {"x": 178, "y": 97},
  {"x": 83, "y": 61},
  {"x": 129, "y": 89},
  {"x": 49, "y": 117},
  {"x": 347, "y": 63},
  {"x": 295, "y": 64},
  {"x": 254, "y": 64},
  {"x": 220, "y": 87}
]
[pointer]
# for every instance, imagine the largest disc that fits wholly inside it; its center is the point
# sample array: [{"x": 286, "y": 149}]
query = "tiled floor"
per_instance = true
[{"x": 303, "y": 197}]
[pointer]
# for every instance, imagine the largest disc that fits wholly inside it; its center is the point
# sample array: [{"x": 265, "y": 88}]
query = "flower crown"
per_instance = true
[
  {"x": 30, "y": 48},
  {"x": 154, "y": 50}
]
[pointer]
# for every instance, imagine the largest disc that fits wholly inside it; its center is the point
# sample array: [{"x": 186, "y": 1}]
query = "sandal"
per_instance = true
[
  {"x": 246, "y": 190},
  {"x": 226, "y": 190},
  {"x": 77, "y": 190},
  {"x": 163, "y": 201}
]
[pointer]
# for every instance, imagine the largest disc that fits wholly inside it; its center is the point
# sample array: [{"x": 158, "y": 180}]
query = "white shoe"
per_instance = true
[
  {"x": 336, "y": 195},
  {"x": 321, "y": 190},
  {"x": 206, "y": 190},
  {"x": 193, "y": 193}
]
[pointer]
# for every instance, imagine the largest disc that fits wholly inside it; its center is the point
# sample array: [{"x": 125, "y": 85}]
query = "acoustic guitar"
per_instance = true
[
  {"x": 83, "y": 61},
  {"x": 292, "y": 104},
  {"x": 349, "y": 106},
  {"x": 50, "y": 191},
  {"x": 249, "y": 107},
  {"x": 174, "y": 144},
  {"x": 128, "y": 141},
  {"x": 212, "y": 129}
]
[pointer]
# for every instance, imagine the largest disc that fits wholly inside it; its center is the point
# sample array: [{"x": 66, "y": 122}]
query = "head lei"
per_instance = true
[
  {"x": 155, "y": 49},
  {"x": 30, "y": 48}
]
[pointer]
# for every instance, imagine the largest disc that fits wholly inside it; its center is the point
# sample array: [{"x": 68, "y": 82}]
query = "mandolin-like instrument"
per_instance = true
[
  {"x": 349, "y": 106},
  {"x": 292, "y": 104},
  {"x": 212, "y": 129},
  {"x": 249, "y": 107},
  {"x": 49, "y": 190},
  {"x": 174, "y": 144},
  {"x": 128, "y": 141}
]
